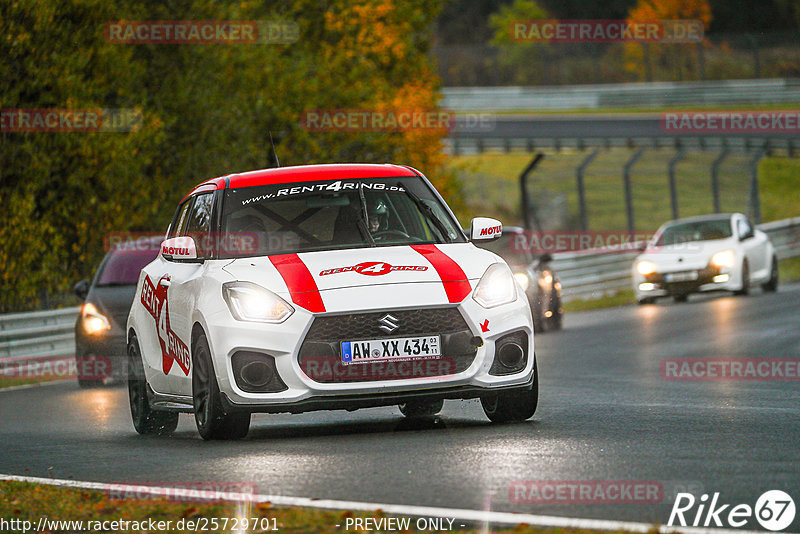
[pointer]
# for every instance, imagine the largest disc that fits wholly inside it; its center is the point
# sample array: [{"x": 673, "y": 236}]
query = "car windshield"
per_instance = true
[
  {"x": 695, "y": 231},
  {"x": 122, "y": 267},
  {"x": 333, "y": 214}
]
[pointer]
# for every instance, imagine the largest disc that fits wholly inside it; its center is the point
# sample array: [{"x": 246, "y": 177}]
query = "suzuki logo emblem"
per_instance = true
[{"x": 388, "y": 323}]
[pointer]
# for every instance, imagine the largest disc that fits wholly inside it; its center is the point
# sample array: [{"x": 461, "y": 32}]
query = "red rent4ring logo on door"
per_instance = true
[
  {"x": 374, "y": 268},
  {"x": 154, "y": 299}
]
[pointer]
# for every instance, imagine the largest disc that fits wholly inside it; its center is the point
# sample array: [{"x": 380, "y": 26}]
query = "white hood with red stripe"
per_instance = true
[{"x": 369, "y": 278}]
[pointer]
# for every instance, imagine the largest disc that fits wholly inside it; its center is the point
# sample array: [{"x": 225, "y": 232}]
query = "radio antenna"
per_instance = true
[{"x": 274, "y": 152}]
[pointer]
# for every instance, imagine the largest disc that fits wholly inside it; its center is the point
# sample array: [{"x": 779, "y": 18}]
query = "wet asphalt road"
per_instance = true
[{"x": 605, "y": 413}]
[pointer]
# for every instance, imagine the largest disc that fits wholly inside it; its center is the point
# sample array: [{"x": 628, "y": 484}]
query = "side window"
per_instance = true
[
  {"x": 745, "y": 230},
  {"x": 198, "y": 222},
  {"x": 179, "y": 223}
]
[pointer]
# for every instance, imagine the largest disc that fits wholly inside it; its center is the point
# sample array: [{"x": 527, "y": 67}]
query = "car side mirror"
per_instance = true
[
  {"x": 179, "y": 248},
  {"x": 81, "y": 289},
  {"x": 746, "y": 236},
  {"x": 485, "y": 229}
]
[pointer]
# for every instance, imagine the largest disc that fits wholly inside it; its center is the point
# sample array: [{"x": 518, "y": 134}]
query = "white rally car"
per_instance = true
[
  {"x": 721, "y": 252},
  {"x": 324, "y": 287}
]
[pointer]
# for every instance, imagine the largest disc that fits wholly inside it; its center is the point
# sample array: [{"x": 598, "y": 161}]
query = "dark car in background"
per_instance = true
[
  {"x": 100, "y": 342},
  {"x": 534, "y": 274}
]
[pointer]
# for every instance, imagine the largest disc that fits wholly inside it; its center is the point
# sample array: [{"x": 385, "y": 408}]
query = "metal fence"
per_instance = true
[
  {"x": 593, "y": 273},
  {"x": 623, "y": 95},
  {"x": 36, "y": 337}
]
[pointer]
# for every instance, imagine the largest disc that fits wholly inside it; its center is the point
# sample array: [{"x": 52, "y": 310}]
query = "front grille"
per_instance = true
[
  {"x": 320, "y": 354},
  {"x": 366, "y": 326}
]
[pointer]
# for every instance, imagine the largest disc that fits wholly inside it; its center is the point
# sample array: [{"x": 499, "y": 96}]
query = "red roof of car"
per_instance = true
[{"x": 305, "y": 173}]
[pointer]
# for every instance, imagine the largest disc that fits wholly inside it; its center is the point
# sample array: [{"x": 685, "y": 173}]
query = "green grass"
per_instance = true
[
  {"x": 13, "y": 382},
  {"x": 24, "y": 501},
  {"x": 789, "y": 270},
  {"x": 620, "y": 298}
]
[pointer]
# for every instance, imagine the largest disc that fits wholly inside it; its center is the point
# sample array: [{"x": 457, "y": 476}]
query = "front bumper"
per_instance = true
[
  {"x": 709, "y": 278},
  {"x": 299, "y": 392},
  {"x": 101, "y": 356}
]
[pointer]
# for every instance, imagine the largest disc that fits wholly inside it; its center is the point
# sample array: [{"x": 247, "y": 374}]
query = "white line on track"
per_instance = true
[{"x": 469, "y": 516}]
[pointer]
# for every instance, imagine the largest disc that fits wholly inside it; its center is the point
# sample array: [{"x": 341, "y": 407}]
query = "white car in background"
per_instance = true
[
  {"x": 721, "y": 252},
  {"x": 324, "y": 287}
]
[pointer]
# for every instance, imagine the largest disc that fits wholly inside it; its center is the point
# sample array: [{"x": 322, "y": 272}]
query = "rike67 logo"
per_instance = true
[
  {"x": 774, "y": 510},
  {"x": 154, "y": 299}
]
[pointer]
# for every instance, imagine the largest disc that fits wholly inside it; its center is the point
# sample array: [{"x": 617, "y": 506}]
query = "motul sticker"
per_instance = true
[
  {"x": 373, "y": 268},
  {"x": 492, "y": 230},
  {"x": 154, "y": 299}
]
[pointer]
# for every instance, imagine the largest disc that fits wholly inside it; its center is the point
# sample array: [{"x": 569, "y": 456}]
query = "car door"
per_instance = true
[
  {"x": 153, "y": 332},
  {"x": 754, "y": 245},
  {"x": 183, "y": 282}
]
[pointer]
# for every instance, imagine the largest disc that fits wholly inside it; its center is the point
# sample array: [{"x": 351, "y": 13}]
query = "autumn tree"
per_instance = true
[{"x": 679, "y": 61}]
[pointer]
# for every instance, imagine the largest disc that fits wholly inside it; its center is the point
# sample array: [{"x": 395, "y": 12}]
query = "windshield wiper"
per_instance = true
[
  {"x": 428, "y": 211},
  {"x": 364, "y": 218}
]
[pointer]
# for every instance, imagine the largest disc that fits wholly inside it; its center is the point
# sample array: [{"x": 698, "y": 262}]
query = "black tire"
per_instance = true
[
  {"x": 83, "y": 381},
  {"x": 145, "y": 419},
  {"x": 209, "y": 415},
  {"x": 646, "y": 300},
  {"x": 515, "y": 405},
  {"x": 421, "y": 408},
  {"x": 745, "y": 280},
  {"x": 681, "y": 297},
  {"x": 771, "y": 285}
]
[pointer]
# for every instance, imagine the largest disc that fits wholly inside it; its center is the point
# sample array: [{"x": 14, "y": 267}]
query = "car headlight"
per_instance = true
[
  {"x": 251, "y": 302},
  {"x": 724, "y": 258},
  {"x": 496, "y": 286},
  {"x": 645, "y": 267},
  {"x": 522, "y": 280},
  {"x": 92, "y": 320}
]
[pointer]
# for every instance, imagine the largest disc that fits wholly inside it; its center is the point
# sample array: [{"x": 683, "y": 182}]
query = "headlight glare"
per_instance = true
[
  {"x": 251, "y": 302},
  {"x": 93, "y": 321},
  {"x": 724, "y": 258},
  {"x": 645, "y": 267},
  {"x": 496, "y": 287},
  {"x": 522, "y": 280}
]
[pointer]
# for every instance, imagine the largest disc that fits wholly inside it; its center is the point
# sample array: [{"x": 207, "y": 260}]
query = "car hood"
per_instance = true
[
  {"x": 369, "y": 278},
  {"x": 685, "y": 256},
  {"x": 113, "y": 302}
]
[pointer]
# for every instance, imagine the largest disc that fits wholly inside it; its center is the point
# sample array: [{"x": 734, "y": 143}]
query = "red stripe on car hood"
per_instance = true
[
  {"x": 300, "y": 282},
  {"x": 455, "y": 282}
]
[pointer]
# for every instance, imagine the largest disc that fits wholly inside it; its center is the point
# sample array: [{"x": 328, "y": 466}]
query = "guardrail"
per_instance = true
[
  {"x": 49, "y": 335},
  {"x": 36, "y": 337},
  {"x": 593, "y": 273},
  {"x": 623, "y": 95}
]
